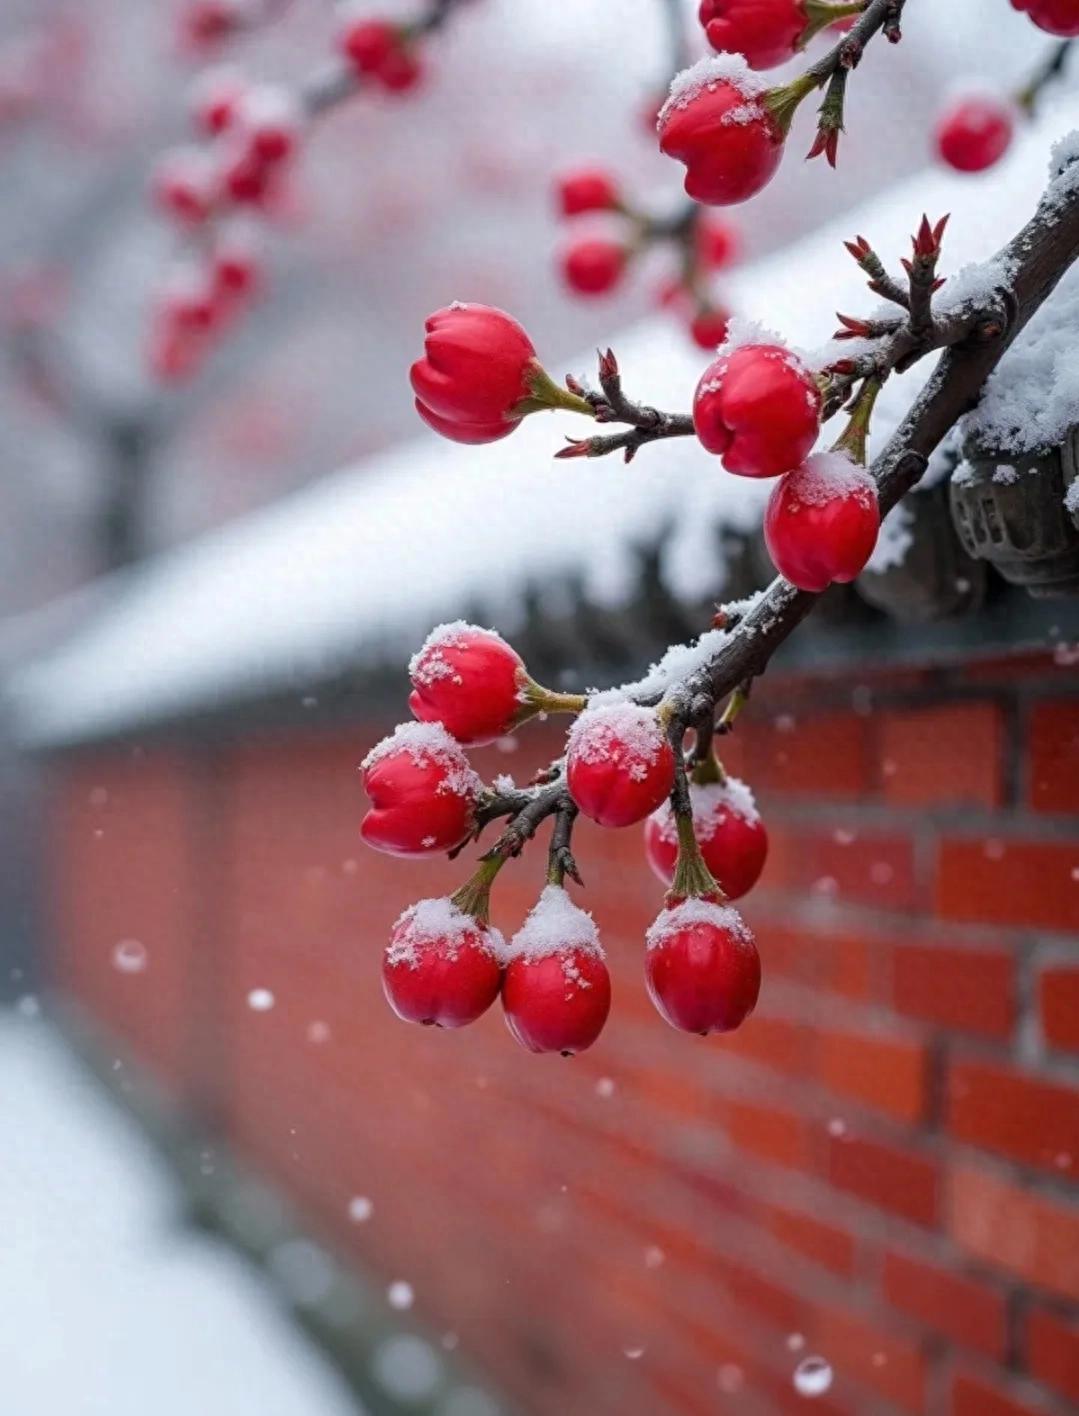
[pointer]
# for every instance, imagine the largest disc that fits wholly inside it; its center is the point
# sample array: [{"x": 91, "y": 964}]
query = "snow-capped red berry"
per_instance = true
[
  {"x": 716, "y": 122},
  {"x": 757, "y": 407},
  {"x": 587, "y": 189},
  {"x": 708, "y": 327},
  {"x": 237, "y": 269},
  {"x": 822, "y": 522},
  {"x": 729, "y": 831},
  {"x": 442, "y": 968},
  {"x": 716, "y": 242},
  {"x": 620, "y": 765},
  {"x": 766, "y": 32},
  {"x": 215, "y": 99},
  {"x": 205, "y": 23},
  {"x": 556, "y": 991},
  {"x": 270, "y": 121},
  {"x": 593, "y": 266},
  {"x": 187, "y": 300},
  {"x": 975, "y": 132},
  {"x": 1060, "y": 17},
  {"x": 173, "y": 354},
  {"x": 184, "y": 186},
  {"x": 423, "y": 792},
  {"x": 702, "y": 967},
  {"x": 469, "y": 680},
  {"x": 367, "y": 44},
  {"x": 474, "y": 373}
]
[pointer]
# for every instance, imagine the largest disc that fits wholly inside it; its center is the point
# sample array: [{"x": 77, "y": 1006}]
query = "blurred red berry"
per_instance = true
[
  {"x": 593, "y": 266},
  {"x": 716, "y": 242},
  {"x": 702, "y": 967},
  {"x": 215, "y": 100},
  {"x": 729, "y": 831},
  {"x": 423, "y": 792},
  {"x": 469, "y": 680},
  {"x": 620, "y": 765},
  {"x": 822, "y": 522},
  {"x": 271, "y": 125},
  {"x": 402, "y": 71},
  {"x": 1060, "y": 17},
  {"x": 758, "y": 408},
  {"x": 237, "y": 270},
  {"x": 442, "y": 968},
  {"x": 367, "y": 44},
  {"x": 206, "y": 23},
  {"x": 586, "y": 189},
  {"x": 557, "y": 991},
  {"x": 184, "y": 186},
  {"x": 975, "y": 132},
  {"x": 708, "y": 328},
  {"x": 474, "y": 372}
]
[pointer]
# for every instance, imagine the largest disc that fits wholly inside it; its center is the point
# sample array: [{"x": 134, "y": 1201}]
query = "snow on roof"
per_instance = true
[{"x": 356, "y": 569}]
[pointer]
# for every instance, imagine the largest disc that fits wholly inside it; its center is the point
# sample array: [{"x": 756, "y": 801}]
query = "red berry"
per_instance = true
[
  {"x": 271, "y": 125},
  {"x": 975, "y": 132},
  {"x": 758, "y": 408},
  {"x": 184, "y": 186},
  {"x": 442, "y": 967},
  {"x": 469, "y": 680},
  {"x": 716, "y": 242},
  {"x": 237, "y": 270},
  {"x": 1059, "y": 17},
  {"x": 204, "y": 23},
  {"x": 708, "y": 328},
  {"x": 716, "y": 123},
  {"x": 587, "y": 189},
  {"x": 245, "y": 179},
  {"x": 474, "y": 373},
  {"x": 401, "y": 70},
  {"x": 368, "y": 44},
  {"x": 822, "y": 522},
  {"x": 216, "y": 99},
  {"x": 620, "y": 764},
  {"x": 188, "y": 301},
  {"x": 557, "y": 991},
  {"x": 423, "y": 792},
  {"x": 593, "y": 266},
  {"x": 729, "y": 832},
  {"x": 702, "y": 967},
  {"x": 765, "y": 31}
]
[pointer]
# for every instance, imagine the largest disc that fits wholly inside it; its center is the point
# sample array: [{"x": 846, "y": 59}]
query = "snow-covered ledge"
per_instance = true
[{"x": 354, "y": 571}]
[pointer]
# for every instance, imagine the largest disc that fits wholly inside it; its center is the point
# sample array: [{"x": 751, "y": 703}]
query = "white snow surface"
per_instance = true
[
  {"x": 439, "y": 922},
  {"x": 693, "y": 912},
  {"x": 111, "y": 1309},
  {"x": 356, "y": 569},
  {"x": 555, "y": 924}
]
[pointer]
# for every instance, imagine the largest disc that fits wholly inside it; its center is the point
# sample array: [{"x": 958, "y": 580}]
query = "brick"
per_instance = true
[
  {"x": 1007, "y": 1227},
  {"x": 1058, "y": 1003},
  {"x": 776, "y": 1043},
  {"x": 968, "y": 1312},
  {"x": 830, "y": 960},
  {"x": 1051, "y": 1346},
  {"x": 888, "y": 1073},
  {"x": 827, "y": 754},
  {"x": 1028, "y": 884},
  {"x": 971, "y": 1396},
  {"x": 904, "y": 1182},
  {"x": 1054, "y": 756},
  {"x": 970, "y": 990},
  {"x": 822, "y": 1244},
  {"x": 874, "y": 868},
  {"x": 873, "y": 1356},
  {"x": 1013, "y": 1113},
  {"x": 950, "y": 756},
  {"x": 782, "y": 1137}
]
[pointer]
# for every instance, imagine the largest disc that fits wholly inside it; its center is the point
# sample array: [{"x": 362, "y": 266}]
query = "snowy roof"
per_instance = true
[{"x": 356, "y": 569}]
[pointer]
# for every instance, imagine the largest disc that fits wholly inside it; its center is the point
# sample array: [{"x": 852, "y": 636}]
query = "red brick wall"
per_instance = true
[{"x": 884, "y": 1160}]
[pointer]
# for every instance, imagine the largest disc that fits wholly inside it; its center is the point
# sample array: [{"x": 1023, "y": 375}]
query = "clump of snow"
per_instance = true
[
  {"x": 260, "y": 1000},
  {"x": 710, "y": 803},
  {"x": 1071, "y": 498},
  {"x": 554, "y": 925},
  {"x": 974, "y": 284},
  {"x": 812, "y": 1377},
  {"x": 439, "y": 922},
  {"x": 430, "y": 744},
  {"x": 708, "y": 74},
  {"x": 429, "y": 663},
  {"x": 634, "y": 733},
  {"x": 677, "y": 664},
  {"x": 828, "y": 475},
  {"x": 693, "y": 912},
  {"x": 742, "y": 331},
  {"x": 895, "y": 540}
]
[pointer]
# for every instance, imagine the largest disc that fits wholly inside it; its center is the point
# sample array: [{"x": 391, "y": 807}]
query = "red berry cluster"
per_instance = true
[
  {"x": 595, "y": 264},
  {"x": 758, "y": 408},
  {"x": 445, "y": 964},
  {"x": 382, "y": 52}
]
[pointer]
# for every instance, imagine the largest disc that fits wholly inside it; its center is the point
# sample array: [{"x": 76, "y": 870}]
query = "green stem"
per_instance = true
[
  {"x": 692, "y": 877},
  {"x": 474, "y": 896},
  {"x": 544, "y": 393},
  {"x": 822, "y": 13},
  {"x": 782, "y": 103},
  {"x": 855, "y": 438}
]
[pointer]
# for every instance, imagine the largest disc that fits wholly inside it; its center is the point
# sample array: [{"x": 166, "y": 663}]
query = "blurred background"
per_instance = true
[{"x": 235, "y": 1182}]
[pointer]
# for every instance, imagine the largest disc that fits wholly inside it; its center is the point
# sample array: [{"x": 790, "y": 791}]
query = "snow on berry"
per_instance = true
[
  {"x": 729, "y": 831},
  {"x": 975, "y": 131},
  {"x": 469, "y": 680},
  {"x": 423, "y": 792},
  {"x": 715, "y": 122},
  {"x": 557, "y": 991},
  {"x": 442, "y": 967},
  {"x": 620, "y": 764},
  {"x": 702, "y": 968},
  {"x": 822, "y": 522},
  {"x": 757, "y": 407}
]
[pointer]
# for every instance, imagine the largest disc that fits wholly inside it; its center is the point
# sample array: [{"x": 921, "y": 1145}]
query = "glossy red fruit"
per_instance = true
[
  {"x": 368, "y": 44},
  {"x": 729, "y": 831},
  {"x": 423, "y": 792},
  {"x": 716, "y": 242},
  {"x": 822, "y": 522},
  {"x": 184, "y": 186},
  {"x": 702, "y": 967},
  {"x": 586, "y": 189},
  {"x": 766, "y": 32},
  {"x": 716, "y": 122},
  {"x": 620, "y": 765},
  {"x": 442, "y": 967},
  {"x": 469, "y": 680},
  {"x": 708, "y": 328},
  {"x": 1060, "y": 17},
  {"x": 975, "y": 132},
  {"x": 757, "y": 407},
  {"x": 474, "y": 372},
  {"x": 216, "y": 99},
  {"x": 593, "y": 266},
  {"x": 557, "y": 991}
]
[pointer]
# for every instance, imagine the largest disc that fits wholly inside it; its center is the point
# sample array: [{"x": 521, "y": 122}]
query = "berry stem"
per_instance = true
[
  {"x": 709, "y": 771},
  {"x": 1052, "y": 68},
  {"x": 691, "y": 876},
  {"x": 544, "y": 393},
  {"x": 538, "y": 699},
  {"x": 822, "y": 13},
  {"x": 474, "y": 896},
  {"x": 855, "y": 438},
  {"x": 782, "y": 103},
  {"x": 560, "y": 861}
]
